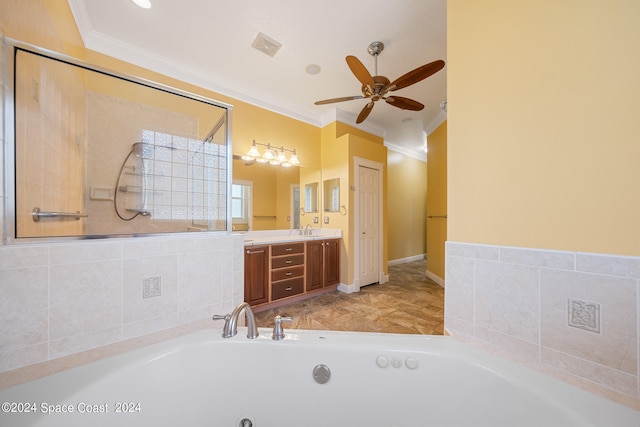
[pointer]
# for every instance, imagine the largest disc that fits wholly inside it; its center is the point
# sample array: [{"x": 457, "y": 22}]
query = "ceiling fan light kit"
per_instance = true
[{"x": 377, "y": 87}]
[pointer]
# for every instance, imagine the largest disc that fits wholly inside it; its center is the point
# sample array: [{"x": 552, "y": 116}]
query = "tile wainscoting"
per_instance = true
[
  {"x": 61, "y": 299},
  {"x": 573, "y": 315}
]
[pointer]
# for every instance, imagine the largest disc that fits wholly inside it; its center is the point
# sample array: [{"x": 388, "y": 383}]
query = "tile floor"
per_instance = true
[{"x": 410, "y": 303}]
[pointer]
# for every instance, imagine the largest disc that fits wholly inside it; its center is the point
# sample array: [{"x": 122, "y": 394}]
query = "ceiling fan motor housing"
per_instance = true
[{"x": 375, "y": 48}]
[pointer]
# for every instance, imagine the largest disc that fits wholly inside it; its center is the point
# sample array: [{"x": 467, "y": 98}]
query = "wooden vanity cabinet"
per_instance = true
[
  {"x": 278, "y": 274},
  {"x": 331, "y": 262},
  {"x": 287, "y": 270},
  {"x": 256, "y": 274},
  {"x": 323, "y": 263}
]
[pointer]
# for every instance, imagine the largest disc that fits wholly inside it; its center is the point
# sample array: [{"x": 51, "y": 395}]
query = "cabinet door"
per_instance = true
[
  {"x": 314, "y": 265},
  {"x": 256, "y": 274},
  {"x": 331, "y": 262}
]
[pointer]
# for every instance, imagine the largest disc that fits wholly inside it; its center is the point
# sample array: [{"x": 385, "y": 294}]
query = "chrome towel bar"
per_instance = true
[{"x": 36, "y": 214}]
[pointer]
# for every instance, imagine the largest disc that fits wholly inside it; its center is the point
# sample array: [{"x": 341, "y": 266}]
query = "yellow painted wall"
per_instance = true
[
  {"x": 544, "y": 128},
  {"x": 340, "y": 144},
  {"x": 407, "y": 200},
  {"x": 335, "y": 164},
  {"x": 437, "y": 200}
]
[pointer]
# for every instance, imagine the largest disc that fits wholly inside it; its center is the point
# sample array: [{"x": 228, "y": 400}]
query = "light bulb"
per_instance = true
[{"x": 294, "y": 159}]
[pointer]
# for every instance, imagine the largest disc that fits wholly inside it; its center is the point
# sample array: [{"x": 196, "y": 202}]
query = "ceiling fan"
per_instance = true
[{"x": 377, "y": 87}]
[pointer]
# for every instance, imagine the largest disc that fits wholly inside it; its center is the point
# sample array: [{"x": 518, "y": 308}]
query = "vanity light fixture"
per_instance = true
[
  {"x": 145, "y": 4},
  {"x": 273, "y": 155}
]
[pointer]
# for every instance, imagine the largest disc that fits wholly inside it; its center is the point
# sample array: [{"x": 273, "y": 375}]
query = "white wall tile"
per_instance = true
[
  {"x": 521, "y": 302},
  {"x": 199, "y": 279},
  {"x": 460, "y": 300},
  {"x": 473, "y": 251},
  {"x": 507, "y": 299},
  {"x": 135, "y": 270},
  {"x": 84, "y": 341},
  {"x": 85, "y": 252},
  {"x": 23, "y": 256},
  {"x": 616, "y": 345},
  {"x": 24, "y": 356},
  {"x": 538, "y": 258},
  {"x": 610, "y": 265},
  {"x": 85, "y": 297},
  {"x": 150, "y": 246},
  {"x": 149, "y": 325},
  {"x": 24, "y": 302},
  {"x": 606, "y": 376},
  {"x": 62, "y": 298}
]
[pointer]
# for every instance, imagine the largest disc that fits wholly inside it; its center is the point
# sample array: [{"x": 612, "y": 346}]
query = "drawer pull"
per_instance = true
[
  {"x": 288, "y": 261},
  {"x": 255, "y": 252},
  {"x": 288, "y": 273},
  {"x": 288, "y": 249},
  {"x": 289, "y": 288}
]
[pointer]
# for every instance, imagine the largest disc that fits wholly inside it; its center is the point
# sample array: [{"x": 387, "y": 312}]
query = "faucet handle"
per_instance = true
[
  {"x": 224, "y": 317},
  {"x": 278, "y": 331}
]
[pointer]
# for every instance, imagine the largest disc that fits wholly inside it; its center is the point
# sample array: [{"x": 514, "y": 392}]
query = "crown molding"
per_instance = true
[
  {"x": 406, "y": 152},
  {"x": 433, "y": 125}
]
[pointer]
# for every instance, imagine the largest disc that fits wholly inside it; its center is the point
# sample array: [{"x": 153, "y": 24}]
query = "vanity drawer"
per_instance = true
[
  {"x": 287, "y": 261},
  {"x": 287, "y": 248},
  {"x": 287, "y": 288},
  {"x": 287, "y": 273}
]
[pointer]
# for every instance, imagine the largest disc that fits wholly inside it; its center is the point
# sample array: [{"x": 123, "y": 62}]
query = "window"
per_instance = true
[{"x": 241, "y": 205}]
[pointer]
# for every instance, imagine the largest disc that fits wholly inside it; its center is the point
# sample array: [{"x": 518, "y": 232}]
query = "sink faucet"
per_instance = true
[
  {"x": 308, "y": 230},
  {"x": 231, "y": 321}
]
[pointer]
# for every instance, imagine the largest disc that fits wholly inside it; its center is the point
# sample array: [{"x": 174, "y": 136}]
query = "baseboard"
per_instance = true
[
  {"x": 437, "y": 279},
  {"x": 407, "y": 259},
  {"x": 348, "y": 289}
]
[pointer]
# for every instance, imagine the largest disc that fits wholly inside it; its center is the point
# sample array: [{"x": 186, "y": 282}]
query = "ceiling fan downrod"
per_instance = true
[{"x": 374, "y": 50}]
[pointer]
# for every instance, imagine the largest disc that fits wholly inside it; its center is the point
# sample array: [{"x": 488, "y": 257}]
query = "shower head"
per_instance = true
[{"x": 144, "y": 150}]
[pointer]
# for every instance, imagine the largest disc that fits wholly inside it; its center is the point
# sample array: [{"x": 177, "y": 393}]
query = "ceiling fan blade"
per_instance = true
[
  {"x": 332, "y": 100},
  {"x": 404, "y": 103},
  {"x": 365, "y": 112},
  {"x": 360, "y": 71},
  {"x": 416, "y": 75}
]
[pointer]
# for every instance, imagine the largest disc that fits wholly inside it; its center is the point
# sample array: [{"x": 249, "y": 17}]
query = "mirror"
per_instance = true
[
  {"x": 278, "y": 197},
  {"x": 99, "y": 154},
  {"x": 331, "y": 193},
  {"x": 274, "y": 199},
  {"x": 311, "y": 197}
]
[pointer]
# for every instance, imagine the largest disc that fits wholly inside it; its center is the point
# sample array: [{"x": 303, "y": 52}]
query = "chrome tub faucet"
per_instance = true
[
  {"x": 231, "y": 321},
  {"x": 278, "y": 331}
]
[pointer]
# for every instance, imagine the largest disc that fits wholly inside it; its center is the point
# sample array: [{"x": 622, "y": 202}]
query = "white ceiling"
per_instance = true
[{"x": 209, "y": 43}]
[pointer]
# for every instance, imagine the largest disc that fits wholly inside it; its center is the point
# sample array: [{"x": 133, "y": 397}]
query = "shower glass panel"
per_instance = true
[{"x": 99, "y": 153}]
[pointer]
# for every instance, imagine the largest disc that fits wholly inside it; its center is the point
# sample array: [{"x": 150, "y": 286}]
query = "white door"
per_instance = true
[{"x": 368, "y": 231}]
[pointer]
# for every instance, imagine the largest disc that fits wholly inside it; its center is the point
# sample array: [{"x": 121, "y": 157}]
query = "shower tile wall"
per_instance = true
[
  {"x": 573, "y": 314},
  {"x": 182, "y": 180},
  {"x": 64, "y": 298}
]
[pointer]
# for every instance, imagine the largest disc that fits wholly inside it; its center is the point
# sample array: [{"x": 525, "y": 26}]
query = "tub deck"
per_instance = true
[{"x": 376, "y": 380}]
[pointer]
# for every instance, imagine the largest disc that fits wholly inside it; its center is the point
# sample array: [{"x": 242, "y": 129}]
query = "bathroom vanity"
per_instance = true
[{"x": 281, "y": 268}]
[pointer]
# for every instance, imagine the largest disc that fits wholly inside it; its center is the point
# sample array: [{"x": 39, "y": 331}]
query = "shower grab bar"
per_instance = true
[
  {"x": 36, "y": 214},
  {"x": 436, "y": 216}
]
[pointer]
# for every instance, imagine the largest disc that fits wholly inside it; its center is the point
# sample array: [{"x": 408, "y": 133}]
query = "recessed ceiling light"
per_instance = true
[
  {"x": 313, "y": 69},
  {"x": 145, "y": 4}
]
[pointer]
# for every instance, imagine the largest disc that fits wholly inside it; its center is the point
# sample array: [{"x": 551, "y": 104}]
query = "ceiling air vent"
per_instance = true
[{"x": 266, "y": 44}]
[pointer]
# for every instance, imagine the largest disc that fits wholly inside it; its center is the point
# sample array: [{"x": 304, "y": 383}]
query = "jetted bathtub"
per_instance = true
[{"x": 309, "y": 379}]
